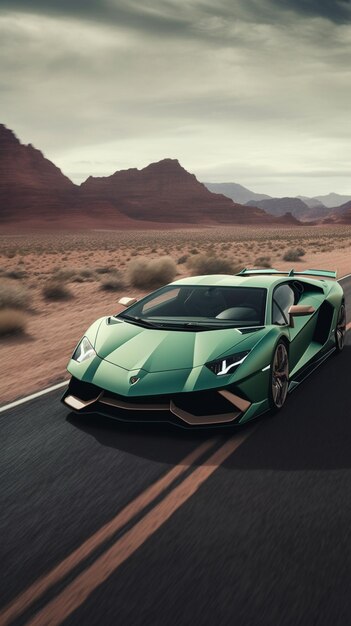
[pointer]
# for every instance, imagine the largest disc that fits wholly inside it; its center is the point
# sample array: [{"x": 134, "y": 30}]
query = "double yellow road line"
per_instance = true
[{"x": 78, "y": 590}]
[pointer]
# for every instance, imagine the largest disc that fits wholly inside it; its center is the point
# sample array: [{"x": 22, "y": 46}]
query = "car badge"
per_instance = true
[{"x": 133, "y": 380}]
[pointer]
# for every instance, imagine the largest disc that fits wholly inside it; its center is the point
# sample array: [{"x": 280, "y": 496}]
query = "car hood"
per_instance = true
[{"x": 134, "y": 347}]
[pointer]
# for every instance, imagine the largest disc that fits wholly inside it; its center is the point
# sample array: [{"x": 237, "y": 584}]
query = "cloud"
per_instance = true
[
  {"x": 236, "y": 90},
  {"x": 338, "y": 11},
  {"x": 153, "y": 18},
  {"x": 197, "y": 18}
]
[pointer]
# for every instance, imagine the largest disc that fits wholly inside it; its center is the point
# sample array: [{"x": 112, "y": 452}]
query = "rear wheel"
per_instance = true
[
  {"x": 279, "y": 378},
  {"x": 340, "y": 330}
]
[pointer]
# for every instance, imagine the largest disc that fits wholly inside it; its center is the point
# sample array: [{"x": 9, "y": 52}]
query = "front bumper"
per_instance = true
[{"x": 191, "y": 409}]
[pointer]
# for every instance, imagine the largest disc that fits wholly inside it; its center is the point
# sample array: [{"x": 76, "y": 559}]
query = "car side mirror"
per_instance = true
[
  {"x": 127, "y": 301},
  {"x": 298, "y": 310}
]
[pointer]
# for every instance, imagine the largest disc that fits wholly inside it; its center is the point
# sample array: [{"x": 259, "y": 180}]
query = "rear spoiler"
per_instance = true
[{"x": 323, "y": 273}]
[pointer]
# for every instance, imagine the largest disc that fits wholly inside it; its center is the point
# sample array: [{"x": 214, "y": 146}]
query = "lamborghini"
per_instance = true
[{"x": 209, "y": 350}]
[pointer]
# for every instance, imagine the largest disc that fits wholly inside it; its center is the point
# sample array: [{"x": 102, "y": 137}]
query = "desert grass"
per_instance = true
[
  {"x": 144, "y": 273},
  {"x": 55, "y": 289},
  {"x": 263, "y": 261},
  {"x": 203, "y": 264},
  {"x": 12, "y": 322},
  {"x": 87, "y": 257},
  {"x": 182, "y": 259},
  {"x": 16, "y": 274},
  {"x": 294, "y": 254},
  {"x": 115, "y": 281},
  {"x": 13, "y": 296}
]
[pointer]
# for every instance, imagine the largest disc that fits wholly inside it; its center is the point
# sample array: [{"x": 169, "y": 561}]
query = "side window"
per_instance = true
[
  {"x": 283, "y": 298},
  {"x": 163, "y": 298}
]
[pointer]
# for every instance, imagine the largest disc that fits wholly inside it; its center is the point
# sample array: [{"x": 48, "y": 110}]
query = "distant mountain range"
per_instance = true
[
  {"x": 332, "y": 200},
  {"x": 301, "y": 207},
  {"x": 236, "y": 192},
  {"x": 279, "y": 206},
  {"x": 35, "y": 193}
]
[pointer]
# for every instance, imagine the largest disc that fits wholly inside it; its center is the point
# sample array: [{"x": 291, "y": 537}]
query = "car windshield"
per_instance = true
[{"x": 197, "y": 307}]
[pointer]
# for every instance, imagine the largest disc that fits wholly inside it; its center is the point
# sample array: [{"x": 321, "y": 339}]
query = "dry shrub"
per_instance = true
[
  {"x": 182, "y": 259},
  {"x": 87, "y": 272},
  {"x": 74, "y": 275},
  {"x": 56, "y": 290},
  {"x": 293, "y": 254},
  {"x": 12, "y": 322},
  {"x": 13, "y": 296},
  {"x": 113, "y": 282},
  {"x": 263, "y": 261},
  {"x": 65, "y": 274},
  {"x": 202, "y": 264},
  {"x": 16, "y": 274},
  {"x": 143, "y": 272}
]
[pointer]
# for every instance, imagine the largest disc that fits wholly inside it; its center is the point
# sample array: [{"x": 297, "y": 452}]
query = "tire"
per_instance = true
[
  {"x": 279, "y": 377},
  {"x": 340, "y": 331}
]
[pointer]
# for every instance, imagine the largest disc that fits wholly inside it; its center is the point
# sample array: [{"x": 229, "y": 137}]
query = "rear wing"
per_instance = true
[{"x": 292, "y": 272}]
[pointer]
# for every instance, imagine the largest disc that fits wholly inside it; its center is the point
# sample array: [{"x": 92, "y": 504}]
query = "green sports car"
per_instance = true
[{"x": 209, "y": 350}]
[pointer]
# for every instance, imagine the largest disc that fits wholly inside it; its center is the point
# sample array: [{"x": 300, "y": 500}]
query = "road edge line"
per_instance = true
[{"x": 37, "y": 394}]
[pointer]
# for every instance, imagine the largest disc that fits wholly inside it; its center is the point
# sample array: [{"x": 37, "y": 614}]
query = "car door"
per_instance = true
[{"x": 284, "y": 296}]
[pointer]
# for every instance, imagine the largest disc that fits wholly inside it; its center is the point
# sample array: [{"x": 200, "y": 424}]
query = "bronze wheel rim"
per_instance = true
[{"x": 280, "y": 375}]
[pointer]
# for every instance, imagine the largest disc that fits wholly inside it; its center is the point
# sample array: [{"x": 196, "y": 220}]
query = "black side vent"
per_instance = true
[
  {"x": 323, "y": 326},
  {"x": 84, "y": 391},
  {"x": 246, "y": 331}
]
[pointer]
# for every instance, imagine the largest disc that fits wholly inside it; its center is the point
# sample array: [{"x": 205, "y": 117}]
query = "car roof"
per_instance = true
[
  {"x": 227, "y": 280},
  {"x": 253, "y": 280}
]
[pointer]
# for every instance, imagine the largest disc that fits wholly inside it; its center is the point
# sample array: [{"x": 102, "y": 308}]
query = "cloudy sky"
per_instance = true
[{"x": 252, "y": 91}]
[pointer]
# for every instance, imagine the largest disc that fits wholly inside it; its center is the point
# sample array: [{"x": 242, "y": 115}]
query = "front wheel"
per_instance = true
[
  {"x": 279, "y": 378},
  {"x": 340, "y": 330}
]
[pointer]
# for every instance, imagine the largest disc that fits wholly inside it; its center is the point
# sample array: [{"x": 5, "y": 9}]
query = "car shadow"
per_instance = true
[
  {"x": 312, "y": 431},
  {"x": 161, "y": 442}
]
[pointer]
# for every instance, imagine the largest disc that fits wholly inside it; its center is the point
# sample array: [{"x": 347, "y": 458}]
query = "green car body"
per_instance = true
[{"x": 154, "y": 368}]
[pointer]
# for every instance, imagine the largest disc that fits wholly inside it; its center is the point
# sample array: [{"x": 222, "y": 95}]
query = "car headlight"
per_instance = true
[
  {"x": 228, "y": 364},
  {"x": 83, "y": 351}
]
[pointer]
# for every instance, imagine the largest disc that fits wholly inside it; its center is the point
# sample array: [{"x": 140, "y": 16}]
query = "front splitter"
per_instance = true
[{"x": 118, "y": 408}]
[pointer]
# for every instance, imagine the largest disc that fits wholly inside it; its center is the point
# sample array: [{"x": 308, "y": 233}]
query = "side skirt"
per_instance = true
[{"x": 308, "y": 369}]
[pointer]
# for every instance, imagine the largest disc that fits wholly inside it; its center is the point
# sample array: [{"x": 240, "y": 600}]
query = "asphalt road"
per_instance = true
[{"x": 263, "y": 537}]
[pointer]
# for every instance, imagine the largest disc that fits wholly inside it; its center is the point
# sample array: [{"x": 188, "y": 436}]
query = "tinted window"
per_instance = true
[
  {"x": 161, "y": 298},
  {"x": 283, "y": 299},
  {"x": 213, "y": 305}
]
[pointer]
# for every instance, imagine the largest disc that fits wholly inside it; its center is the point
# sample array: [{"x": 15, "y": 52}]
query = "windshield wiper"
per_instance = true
[
  {"x": 140, "y": 321},
  {"x": 192, "y": 326}
]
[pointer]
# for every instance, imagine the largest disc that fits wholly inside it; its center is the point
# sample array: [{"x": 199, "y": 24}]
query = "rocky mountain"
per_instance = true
[
  {"x": 166, "y": 192},
  {"x": 27, "y": 177},
  {"x": 236, "y": 192},
  {"x": 340, "y": 215},
  {"x": 34, "y": 192}
]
